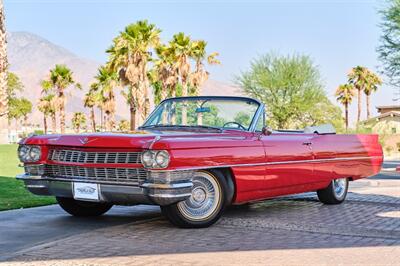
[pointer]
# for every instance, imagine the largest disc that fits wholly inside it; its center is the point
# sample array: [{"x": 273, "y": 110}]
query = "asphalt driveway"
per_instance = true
[{"x": 25, "y": 228}]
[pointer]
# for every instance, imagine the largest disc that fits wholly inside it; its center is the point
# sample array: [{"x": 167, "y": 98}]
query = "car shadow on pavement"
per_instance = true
[{"x": 296, "y": 222}]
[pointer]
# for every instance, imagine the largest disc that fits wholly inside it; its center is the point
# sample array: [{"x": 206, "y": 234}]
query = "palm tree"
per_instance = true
[
  {"x": 373, "y": 81},
  {"x": 357, "y": 77},
  {"x": 107, "y": 81},
  {"x": 46, "y": 106},
  {"x": 129, "y": 56},
  {"x": 200, "y": 75},
  {"x": 3, "y": 78},
  {"x": 164, "y": 73},
  {"x": 345, "y": 94},
  {"x": 89, "y": 101},
  {"x": 183, "y": 49},
  {"x": 60, "y": 79},
  {"x": 78, "y": 121}
]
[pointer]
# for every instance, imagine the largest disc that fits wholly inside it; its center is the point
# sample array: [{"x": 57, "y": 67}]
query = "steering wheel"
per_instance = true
[{"x": 235, "y": 123}]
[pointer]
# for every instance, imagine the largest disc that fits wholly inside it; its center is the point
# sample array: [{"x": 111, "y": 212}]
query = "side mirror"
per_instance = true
[{"x": 266, "y": 131}]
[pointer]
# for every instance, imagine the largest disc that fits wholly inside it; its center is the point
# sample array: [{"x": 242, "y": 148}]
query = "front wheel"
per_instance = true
[
  {"x": 204, "y": 207},
  {"x": 335, "y": 193},
  {"x": 83, "y": 208}
]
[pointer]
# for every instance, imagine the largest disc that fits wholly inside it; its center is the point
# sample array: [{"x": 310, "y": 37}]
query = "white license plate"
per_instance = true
[{"x": 86, "y": 191}]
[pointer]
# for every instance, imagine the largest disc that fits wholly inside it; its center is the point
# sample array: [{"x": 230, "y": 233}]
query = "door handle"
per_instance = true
[{"x": 307, "y": 143}]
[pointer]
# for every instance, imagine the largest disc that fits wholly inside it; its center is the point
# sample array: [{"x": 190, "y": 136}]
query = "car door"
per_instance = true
[{"x": 288, "y": 159}]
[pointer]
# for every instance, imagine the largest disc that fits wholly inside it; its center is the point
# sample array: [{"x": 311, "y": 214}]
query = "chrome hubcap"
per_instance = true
[
  {"x": 205, "y": 198},
  {"x": 339, "y": 186}
]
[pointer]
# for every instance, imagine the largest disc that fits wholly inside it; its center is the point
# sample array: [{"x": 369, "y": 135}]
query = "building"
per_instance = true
[
  {"x": 387, "y": 122},
  {"x": 387, "y": 125}
]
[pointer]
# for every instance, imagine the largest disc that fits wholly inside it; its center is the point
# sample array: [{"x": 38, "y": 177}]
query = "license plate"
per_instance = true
[{"x": 86, "y": 191}]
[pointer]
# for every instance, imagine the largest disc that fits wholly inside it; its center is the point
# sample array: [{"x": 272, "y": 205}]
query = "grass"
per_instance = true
[{"x": 13, "y": 194}]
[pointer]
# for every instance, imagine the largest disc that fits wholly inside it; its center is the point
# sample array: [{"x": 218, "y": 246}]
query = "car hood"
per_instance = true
[{"x": 145, "y": 139}]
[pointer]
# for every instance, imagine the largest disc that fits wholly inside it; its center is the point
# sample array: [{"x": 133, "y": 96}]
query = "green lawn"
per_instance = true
[{"x": 13, "y": 194}]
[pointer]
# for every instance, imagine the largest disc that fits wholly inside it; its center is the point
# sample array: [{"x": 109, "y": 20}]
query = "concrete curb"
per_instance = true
[{"x": 379, "y": 183}]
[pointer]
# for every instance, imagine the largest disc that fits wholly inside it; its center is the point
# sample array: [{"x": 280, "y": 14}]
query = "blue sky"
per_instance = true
[{"x": 336, "y": 34}]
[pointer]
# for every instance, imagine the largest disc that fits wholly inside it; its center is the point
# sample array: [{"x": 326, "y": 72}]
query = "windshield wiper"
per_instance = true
[{"x": 180, "y": 126}]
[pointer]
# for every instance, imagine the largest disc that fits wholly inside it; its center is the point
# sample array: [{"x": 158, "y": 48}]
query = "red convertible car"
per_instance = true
[{"x": 194, "y": 156}]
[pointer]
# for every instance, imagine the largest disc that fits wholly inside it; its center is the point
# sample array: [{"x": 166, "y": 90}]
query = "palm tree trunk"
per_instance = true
[
  {"x": 3, "y": 79},
  {"x": 101, "y": 119},
  {"x": 368, "y": 107},
  {"x": 93, "y": 118},
  {"x": 62, "y": 113},
  {"x": 45, "y": 124},
  {"x": 346, "y": 111},
  {"x": 184, "y": 108},
  {"x": 359, "y": 106},
  {"x": 53, "y": 123},
  {"x": 132, "y": 110},
  {"x": 112, "y": 121}
]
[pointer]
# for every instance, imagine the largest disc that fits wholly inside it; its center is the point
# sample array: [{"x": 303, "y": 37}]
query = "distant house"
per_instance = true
[
  {"x": 387, "y": 122},
  {"x": 387, "y": 125}
]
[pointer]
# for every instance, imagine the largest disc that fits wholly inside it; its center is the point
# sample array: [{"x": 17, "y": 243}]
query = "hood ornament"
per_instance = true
[{"x": 86, "y": 140}]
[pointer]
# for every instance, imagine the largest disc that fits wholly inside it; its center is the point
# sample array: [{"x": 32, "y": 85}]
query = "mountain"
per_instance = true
[{"x": 31, "y": 57}]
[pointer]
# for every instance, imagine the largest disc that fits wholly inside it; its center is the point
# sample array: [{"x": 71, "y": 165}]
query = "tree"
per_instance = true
[
  {"x": 78, "y": 121},
  {"x": 164, "y": 74},
  {"x": 3, "y": 78},
  {"x": 14, "y": 85},
  {"x": 123, "y": 126},
  {"x": 89, "y": 101},
  {"x": 59, "y": 80},
  {"x": 183, "y": 48},
  {"x": 107, "y": 81},
  {"x": 290, "y": 86},
  {"x": 373, "y": 81},
  {"x": 129, "y": 56},
  {"x": 19, "y": 108},
  {"x": 389, "y": 48},
  {"x": 358, "y": 78},
  {"x": 345, "y": 94},
  {"x": 200, "y": 75},
  {"x": 47, "y": 107},
  {"x": 49, "y": 104}
]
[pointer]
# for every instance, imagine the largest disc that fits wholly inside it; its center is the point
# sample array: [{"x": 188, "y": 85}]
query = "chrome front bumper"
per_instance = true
[{"x": 160, "y": 188}]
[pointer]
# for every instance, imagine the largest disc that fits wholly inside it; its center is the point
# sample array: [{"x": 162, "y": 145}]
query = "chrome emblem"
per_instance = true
[{"x": 84, "y": 141}]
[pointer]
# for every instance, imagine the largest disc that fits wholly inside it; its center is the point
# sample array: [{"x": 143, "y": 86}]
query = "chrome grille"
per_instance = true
[
  {"x": 128, "y": 175},
  {"x": 76, "y": 156}
]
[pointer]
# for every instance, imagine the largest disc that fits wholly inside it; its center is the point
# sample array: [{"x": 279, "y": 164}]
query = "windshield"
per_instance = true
[{"x": 229, "y": 113}]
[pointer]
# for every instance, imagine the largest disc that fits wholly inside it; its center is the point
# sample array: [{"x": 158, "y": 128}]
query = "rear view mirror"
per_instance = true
[{"x": 203, "y": 110}]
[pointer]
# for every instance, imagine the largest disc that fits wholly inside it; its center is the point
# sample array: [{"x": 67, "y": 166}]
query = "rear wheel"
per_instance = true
[
  {"x": 83, "y": 208},
  {"x": 204, "y": 206},
  {"x": 335, "y": 193}
]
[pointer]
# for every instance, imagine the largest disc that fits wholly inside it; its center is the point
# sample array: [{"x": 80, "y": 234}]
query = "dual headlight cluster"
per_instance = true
[
  {"x": 29, "y": 153},
  {"x": 155, "y": 159}
]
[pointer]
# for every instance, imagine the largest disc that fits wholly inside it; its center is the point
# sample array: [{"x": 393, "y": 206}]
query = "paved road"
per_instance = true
[
  {"x": 367, "y": 224},
  {"x": 24, "y": 228}
]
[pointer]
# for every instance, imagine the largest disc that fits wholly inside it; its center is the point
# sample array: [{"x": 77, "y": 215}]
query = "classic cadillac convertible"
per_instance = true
[{"x": 194, "y": 156}]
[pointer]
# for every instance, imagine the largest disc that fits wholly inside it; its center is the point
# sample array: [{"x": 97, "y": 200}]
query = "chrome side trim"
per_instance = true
[
  {"x": 270, "y": 163},
  {"x": 168, "y": 186},
  {"x": 169, "y": 196}
]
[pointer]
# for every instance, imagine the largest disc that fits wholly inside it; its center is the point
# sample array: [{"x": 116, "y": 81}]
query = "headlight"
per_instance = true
[
  {"x": 27, "y": 153},
  {"x": 162, "y": 159},
  {"x": 155, "y": 159},
  {"x": 148, "y": 159}
]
